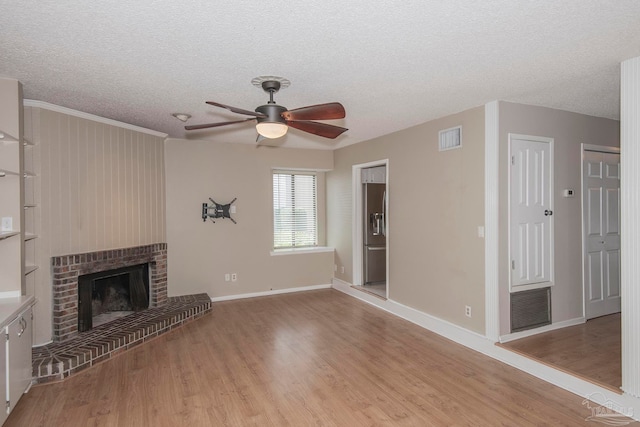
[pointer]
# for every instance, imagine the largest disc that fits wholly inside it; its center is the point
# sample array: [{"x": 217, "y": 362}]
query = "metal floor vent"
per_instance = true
[{"x": 530, "y": 309}]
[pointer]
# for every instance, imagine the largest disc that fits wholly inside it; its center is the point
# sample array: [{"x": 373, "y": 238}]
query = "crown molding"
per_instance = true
[{"x": 83, "y": 115}]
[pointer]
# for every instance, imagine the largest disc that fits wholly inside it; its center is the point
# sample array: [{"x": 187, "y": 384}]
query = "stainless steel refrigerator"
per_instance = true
[{"x": 375, "y": 239}]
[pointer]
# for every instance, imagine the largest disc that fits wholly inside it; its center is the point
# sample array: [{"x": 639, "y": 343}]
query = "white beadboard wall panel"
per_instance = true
[
  {"x": 101, "y": 187},
  {"x": 630, "y": 241},
  {"x": 105, "y": 185}
]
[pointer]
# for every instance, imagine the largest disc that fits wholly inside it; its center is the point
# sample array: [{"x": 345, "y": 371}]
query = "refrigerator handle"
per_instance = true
[
  {"x": 384, "y": 213},
  {"x": 376, "y": 223}
]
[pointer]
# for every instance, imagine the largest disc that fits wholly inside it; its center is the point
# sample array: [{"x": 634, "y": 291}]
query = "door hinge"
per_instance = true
[
  {"x": 513, "y": 160},
  {"x": 513, "y": 264}
]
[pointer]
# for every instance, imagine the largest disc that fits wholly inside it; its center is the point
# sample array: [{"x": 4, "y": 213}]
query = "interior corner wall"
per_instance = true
[
  {"x": 200, "y": 253},
  {"x": 436, "y": 204},
  {"x": 99, "y": 187},
  {"x": 569, "y": 130}
]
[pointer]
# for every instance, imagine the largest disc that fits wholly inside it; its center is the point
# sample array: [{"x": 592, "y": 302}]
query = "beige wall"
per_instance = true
[
  {"x": 436, "y": 203},
  {"x": 99, "y": 186},
  {"x": 200, "y": 253},
  {"x": 568, "y": 130}
]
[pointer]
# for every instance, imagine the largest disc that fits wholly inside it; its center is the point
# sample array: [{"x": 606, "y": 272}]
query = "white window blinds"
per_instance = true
[{"x": 294, "y": 210}]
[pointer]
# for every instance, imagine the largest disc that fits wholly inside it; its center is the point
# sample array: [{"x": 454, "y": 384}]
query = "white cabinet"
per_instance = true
[
  {"x": 17, "y": 246},
  {"x": 377, "y": 174},
  {"x": 16, "y": 321},
  {"x": 18, "y": 356},
  {"x": 3, "y": 380}
]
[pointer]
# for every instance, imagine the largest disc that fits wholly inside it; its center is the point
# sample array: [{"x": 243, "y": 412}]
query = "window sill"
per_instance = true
[{"x": 296, "y": 251}]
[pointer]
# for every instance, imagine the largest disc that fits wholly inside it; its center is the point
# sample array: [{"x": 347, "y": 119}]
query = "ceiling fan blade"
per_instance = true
[
  {"x": 320, "y": 129},
  {"x": 213, "y": 125},
  {"x": 237, "y": 110},
  {"x": 329, "y": 111}
]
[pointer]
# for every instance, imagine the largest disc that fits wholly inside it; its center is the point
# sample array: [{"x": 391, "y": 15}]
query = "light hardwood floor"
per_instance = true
[
  {"x": 313, "y": 358},
  {"x": 592, "y": 351}
]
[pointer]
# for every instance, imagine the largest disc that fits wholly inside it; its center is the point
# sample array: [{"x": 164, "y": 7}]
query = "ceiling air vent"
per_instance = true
[{"x": 450, "y": 138}]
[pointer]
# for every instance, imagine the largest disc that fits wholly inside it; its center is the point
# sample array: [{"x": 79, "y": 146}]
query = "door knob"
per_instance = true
[{"x": 547, "y": 212}]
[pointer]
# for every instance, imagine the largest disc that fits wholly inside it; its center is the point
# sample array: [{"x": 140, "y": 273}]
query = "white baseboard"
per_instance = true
[
  {"x": 441, "y": 327},
  {"x": 481, "y": 344},
  {"x": 558, "y": 325},
  {"x": 271, "y": 292}
]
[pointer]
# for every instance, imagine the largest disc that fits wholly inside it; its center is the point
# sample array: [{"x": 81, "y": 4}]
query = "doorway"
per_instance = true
[
  {"x": 601, "y": 230},
  {"x": 591, "y": 350},
  {"x": 371, "y": 228}
]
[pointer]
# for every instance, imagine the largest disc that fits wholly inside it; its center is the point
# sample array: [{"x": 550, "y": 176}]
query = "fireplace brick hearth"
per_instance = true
[
  {"x": 67, "y": 268},
  {"x": 60, "y": 360}
]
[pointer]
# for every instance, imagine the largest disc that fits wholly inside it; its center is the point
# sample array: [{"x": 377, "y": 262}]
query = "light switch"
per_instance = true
[
  {"x": 7, "y": 223},
  {"x": 480, "y": 231}
]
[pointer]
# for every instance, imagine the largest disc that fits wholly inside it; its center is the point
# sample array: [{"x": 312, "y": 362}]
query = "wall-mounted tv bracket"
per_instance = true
[{"x": 216, "y": 210}]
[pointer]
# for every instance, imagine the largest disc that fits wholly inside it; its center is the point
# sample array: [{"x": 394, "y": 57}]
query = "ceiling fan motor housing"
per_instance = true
[
  {"x": 271, "y": 86},
  {"x": 273, "y": 113}
]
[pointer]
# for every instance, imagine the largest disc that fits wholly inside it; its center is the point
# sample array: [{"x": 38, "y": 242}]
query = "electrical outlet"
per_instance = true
[
  {"x": 342, "y": 269},
  {"x": 467, "y": 311},
  {"x": 227, "y": 277},
  {"x": 234, "y": 277}
]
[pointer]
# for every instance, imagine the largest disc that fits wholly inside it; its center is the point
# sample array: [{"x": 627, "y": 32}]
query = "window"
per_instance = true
[{"x": 294, "y": 210}]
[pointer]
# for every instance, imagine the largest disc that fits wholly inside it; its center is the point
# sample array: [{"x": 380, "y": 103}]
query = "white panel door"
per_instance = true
[
  {"x": 530, "y": 213},
  {"x": 601, "y": 211}
]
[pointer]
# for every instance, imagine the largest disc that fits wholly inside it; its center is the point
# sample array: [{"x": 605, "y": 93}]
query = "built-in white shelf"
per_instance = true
[
  {"x": 6, "y": 172},
  {"x": 7, "y": 234},
  {"x": 28, "y": 269},
  {"x": 5, "y": 137},
  {"x": 12, "y": 258}
]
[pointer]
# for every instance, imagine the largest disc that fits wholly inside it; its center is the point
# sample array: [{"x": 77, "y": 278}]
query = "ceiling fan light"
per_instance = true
[{"x": 272, "y": 130}]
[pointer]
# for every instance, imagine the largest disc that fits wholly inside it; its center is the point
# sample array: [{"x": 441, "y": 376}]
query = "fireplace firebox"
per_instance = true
[
  {"x": 66, "y": 270},
  {"x": 108, "y": 294}
]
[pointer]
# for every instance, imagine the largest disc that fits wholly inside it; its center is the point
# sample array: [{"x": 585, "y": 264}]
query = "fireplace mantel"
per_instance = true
[{"x": 67, "y": 269}]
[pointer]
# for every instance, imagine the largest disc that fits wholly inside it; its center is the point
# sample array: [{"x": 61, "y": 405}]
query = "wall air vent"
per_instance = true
[
  {"x": 450, "y": 138},
  {"x": 530, "y": 309}
]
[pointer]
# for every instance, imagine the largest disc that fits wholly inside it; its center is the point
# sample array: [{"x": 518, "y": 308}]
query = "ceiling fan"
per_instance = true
[{"x": 274, "y": 120}]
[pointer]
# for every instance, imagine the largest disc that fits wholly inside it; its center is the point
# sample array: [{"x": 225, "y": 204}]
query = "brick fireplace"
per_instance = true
[{"x": 68, "y": 268}]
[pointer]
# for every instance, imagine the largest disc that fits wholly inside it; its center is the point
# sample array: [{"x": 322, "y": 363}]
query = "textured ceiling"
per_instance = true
[{"x": 392, "y": 64}]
